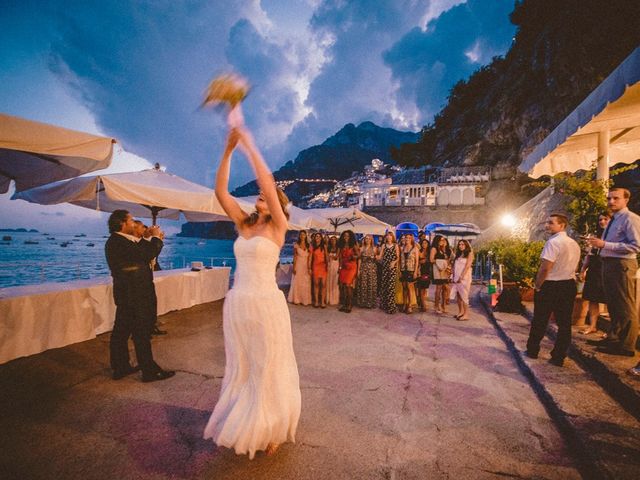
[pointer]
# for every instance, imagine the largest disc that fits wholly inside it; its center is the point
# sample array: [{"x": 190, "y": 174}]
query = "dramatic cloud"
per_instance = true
[
  {"x": 137, "y": 70},
  {"x": 427, "y": 63}
]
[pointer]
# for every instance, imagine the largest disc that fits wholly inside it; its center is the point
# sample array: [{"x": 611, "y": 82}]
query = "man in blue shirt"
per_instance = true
[{"x": 619, "y": 247}]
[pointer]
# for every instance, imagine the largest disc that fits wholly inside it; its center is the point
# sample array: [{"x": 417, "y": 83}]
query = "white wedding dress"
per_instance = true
[{"x": 259, "y": 401}]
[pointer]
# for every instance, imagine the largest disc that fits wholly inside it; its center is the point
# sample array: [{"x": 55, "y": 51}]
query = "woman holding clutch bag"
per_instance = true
[{"x": 441, "y": 260}]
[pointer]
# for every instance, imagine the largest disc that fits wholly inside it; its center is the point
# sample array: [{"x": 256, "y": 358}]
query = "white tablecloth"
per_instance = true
[{"x": 35, "y": 318}]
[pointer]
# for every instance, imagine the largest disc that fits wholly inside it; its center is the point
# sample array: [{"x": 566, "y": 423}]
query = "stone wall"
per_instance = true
[{"x": 530, "y": 219}]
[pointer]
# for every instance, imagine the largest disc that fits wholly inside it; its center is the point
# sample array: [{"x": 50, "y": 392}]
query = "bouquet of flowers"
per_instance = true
[{"x": 228, "y": 89}]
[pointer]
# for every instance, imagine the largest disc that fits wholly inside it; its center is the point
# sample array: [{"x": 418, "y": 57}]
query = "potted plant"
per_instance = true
[{"x": 520, "y": 261}]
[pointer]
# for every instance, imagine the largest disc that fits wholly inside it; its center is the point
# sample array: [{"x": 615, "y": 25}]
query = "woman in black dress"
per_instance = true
[
  {"x": 591, "y": 275},
  {"x": 424, "y": 278}
]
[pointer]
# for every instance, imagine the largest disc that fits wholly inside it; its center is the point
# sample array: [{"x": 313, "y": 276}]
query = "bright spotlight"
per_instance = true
[{"x": 508, "y": 220}]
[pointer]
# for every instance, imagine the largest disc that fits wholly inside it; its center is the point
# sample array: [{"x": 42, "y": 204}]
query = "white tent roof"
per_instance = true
[
  {"x": 615, "y": 106},
  {"x": 34, "y": 153}
]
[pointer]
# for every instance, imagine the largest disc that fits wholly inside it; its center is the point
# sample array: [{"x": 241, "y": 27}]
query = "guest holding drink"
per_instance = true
[{"x": 591, "y": 275}]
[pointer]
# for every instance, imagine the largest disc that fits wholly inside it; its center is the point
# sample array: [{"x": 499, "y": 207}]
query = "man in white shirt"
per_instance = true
[{"x": 555, "y": 289}]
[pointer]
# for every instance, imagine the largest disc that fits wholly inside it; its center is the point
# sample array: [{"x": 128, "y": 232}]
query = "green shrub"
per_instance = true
[{"x": 520, "y": 259}]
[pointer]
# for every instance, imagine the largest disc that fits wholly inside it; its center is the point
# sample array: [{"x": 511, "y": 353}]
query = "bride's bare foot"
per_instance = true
[{"x": 272, "y": 448}]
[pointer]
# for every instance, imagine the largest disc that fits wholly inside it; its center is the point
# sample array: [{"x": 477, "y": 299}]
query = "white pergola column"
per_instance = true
[{"x": 603, "y": 155}]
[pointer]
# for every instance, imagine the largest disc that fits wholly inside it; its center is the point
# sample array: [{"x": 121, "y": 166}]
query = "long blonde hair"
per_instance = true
[{"x": 284, "y": 203}]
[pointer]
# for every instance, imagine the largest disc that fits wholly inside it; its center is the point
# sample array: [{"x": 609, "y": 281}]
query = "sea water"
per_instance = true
[{"x": 66, "y": 257}]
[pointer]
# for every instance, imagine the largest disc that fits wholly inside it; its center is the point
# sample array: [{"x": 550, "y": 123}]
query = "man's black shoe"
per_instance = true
[
  {"x": 600, "y": 343},
  {"x": 615, "y": 350},
  {"x": 158, "y": 375},
  {"x": 119, "y": 374},
  {"x": 157, "y": 331},
  {"x": 558, "y": 362},
  {"x": 527, "y": 353}
]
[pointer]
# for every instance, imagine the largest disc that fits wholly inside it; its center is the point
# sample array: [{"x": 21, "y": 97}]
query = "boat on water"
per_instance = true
[
  {"x": 65, "y": 244},
  {"x": 91, "y": 244},
  {"x": 80, "y": 235},
  {"x": 51, "y": 238},
  {"x": 7, "y": 238}
]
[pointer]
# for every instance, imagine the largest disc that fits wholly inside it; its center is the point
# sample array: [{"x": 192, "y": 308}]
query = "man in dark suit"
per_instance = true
[
  {"x": 134, "y": 296},
  {"x": 141, "y": 232}
]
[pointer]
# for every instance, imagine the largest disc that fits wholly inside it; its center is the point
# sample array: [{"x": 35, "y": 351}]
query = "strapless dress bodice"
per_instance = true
[{"x": 256, "y": 261}]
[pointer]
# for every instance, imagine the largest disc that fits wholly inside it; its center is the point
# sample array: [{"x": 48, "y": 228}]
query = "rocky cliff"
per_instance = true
[
  {"x": 561, "y": 52},
  {"x": 338, "y": 156}
]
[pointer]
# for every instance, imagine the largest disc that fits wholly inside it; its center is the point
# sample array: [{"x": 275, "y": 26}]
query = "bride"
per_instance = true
[{"x": 259, "y": 403}]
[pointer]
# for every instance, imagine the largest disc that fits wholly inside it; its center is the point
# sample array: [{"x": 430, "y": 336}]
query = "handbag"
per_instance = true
[{"x": 442, "y": 270}]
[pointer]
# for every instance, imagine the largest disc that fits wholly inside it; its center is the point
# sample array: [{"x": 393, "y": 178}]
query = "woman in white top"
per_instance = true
[{"x": 461, "y": 281}]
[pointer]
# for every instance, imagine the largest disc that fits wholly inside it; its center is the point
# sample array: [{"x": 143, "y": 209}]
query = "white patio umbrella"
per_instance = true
[
  {"x": 604, "y": 128},
  {"x": 340, "y": 219},
  {"x": 34, "y": 153},
  {"x": 148, "y": 193}
]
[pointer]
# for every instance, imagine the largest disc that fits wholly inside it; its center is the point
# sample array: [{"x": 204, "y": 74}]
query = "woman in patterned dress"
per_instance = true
[
  {"x": 367, "y": 285},
  {"x": 348, "y": 257},
  {"x": 388, "y": 255}
]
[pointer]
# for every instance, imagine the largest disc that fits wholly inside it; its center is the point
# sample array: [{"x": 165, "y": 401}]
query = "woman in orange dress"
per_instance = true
[
  {"x": 318, "y": 265},
  {"x": 348, "y": 257}
]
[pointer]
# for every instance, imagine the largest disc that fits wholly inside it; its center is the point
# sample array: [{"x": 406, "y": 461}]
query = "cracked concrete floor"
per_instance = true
[{"x": 399, "y": 396}]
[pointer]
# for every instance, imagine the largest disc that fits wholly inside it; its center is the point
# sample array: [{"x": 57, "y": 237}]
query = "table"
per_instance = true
[{"x": 35, "y": 318}]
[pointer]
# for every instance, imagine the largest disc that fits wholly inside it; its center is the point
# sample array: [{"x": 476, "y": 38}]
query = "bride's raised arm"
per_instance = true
[
  {"x": 228, "y": 203},
  {"x": 265, "y": 179}
]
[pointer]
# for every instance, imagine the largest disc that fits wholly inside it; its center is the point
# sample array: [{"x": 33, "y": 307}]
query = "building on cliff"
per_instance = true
[{"x": 444, "y": 187}]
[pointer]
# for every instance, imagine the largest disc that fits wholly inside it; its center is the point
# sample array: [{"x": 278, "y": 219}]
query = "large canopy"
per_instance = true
[
  {"x": 340, "y": 219},
  {"x": 34, "y": 153},
  {"x": 606, "y": 124}
]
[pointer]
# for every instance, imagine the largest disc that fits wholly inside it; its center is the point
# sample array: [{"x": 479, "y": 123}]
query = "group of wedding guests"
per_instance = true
[{"x": 394, "y": 275}]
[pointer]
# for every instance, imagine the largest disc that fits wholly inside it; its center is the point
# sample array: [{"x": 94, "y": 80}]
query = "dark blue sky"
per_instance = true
[{"x": 136, "y": 70}]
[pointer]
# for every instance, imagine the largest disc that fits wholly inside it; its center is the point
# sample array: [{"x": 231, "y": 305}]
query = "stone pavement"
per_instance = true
[
  {"x": 416, "y": 396},
  {"x": 592, "y": 399}
]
